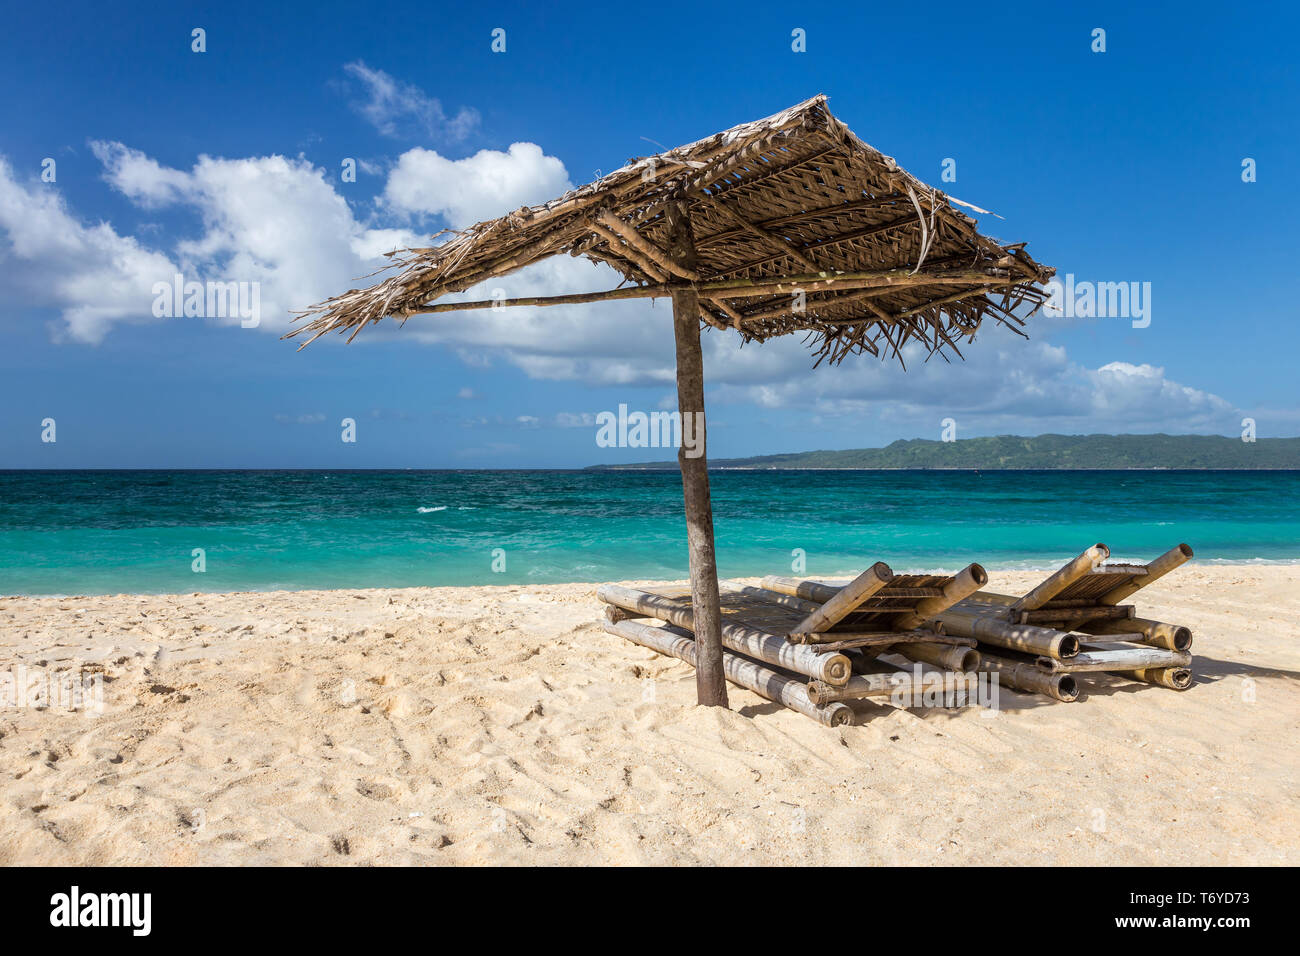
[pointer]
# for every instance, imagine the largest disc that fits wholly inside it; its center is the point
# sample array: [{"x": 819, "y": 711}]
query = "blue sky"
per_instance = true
[{"x": 1117, "y": 166}]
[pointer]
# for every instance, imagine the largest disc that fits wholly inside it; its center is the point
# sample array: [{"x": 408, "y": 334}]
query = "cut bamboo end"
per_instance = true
[
  {"x": 1028, "y": 638},
  {"x": 1181, "y": 640},
  {"x": 1031, "y": 679},
  {"x": 1175, "y": 678},
  {"x": 1067, "y": 689},
  {"x": 836, "y": 669},
  {"x": 615, "y": 614},
  {"x": 1173, "y": 637}
]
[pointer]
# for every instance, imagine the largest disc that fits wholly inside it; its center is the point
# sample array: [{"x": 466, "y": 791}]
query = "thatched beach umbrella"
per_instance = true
[{"x": 786, "y": 224}]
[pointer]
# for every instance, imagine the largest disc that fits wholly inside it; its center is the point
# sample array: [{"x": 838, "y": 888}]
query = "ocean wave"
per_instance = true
[{"x": 425, "y": 511}]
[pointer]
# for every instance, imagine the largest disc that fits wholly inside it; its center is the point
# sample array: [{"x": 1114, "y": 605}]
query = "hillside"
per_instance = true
[{"x": 1043, "y": 451}]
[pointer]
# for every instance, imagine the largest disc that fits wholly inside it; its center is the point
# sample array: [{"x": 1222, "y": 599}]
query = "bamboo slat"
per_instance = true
[{"x": 1173, "y": 558}]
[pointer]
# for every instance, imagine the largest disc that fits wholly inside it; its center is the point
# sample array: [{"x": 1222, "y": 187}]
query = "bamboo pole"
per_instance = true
[
  {"x": 895, "y": 681},
  {"x": 859, "y": 687},
  {"x": 800, "y": 588},
  {"x": 648, "y": 250},
  {"x": 739, "y": 670},
  {"x": 710, "y": 681},
  {"x": 847, "y": 599},
  {"x": 1175, "y": 678},
  {"x": 741, "y": 638},
  {"x": 839, "y": 640},
  {"x": 614, "y": 614},
  {"x": 1123, "y": 659},
  {"x": 1173, "y": 637},
  {"x": 631, "y": 253},
  {"x": 1097, "y": 613},
  {"x": 784, "y": 600},
  {"x": 946, "y": 657},
  {"x": 1062, "y": 579},
  {"x": 1171, "y": 559},
  {"x": 987, "y": 629},
  {"x": 1030, "y": 678},
  {"x": 962, "y": 585},
  {"x": 744, "y": 287}
]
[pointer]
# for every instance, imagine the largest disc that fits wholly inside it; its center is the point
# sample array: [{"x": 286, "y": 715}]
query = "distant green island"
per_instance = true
[{"x": 1043, "y": 451}]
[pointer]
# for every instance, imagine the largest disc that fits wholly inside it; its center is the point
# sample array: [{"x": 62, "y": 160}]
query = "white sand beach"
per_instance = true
[{"x": 502, "y": 725}]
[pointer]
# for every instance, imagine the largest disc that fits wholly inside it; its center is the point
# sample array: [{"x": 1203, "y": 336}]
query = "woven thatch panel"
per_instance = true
[{"x": 798, "y": 225}]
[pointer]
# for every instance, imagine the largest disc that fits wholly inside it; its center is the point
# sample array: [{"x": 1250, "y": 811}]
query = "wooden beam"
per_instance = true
[
  {"x": 842, "y": 299},
  {"x": 642, "y": 245},
  {"x": 620, "y": 248},
  {"x": 735, "y": 317},
  {"x": 744, "y": 287},
  {"x": 710, "y": 676}
]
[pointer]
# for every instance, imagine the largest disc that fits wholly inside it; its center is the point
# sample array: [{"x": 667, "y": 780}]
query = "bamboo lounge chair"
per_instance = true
[
  {"x": 800, "y": 644},
  {"x": 812, "y": 645}
]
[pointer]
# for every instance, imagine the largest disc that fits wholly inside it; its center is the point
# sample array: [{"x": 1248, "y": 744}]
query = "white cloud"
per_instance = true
[
  {"x": 267, "y": 219},
  {"x": 483, "y": 186},
  {"x": 1005, "y": 383},
  {"x": 50, "y": 259},
  {"x": 397, "y": 109},
  {"x": 138, "y": 177}
]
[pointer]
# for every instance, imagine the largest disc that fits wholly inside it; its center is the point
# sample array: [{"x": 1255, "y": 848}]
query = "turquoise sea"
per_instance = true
[{"x": 98, "y": 532}]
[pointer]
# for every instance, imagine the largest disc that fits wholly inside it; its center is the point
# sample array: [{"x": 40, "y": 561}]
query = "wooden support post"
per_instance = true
[{"x": 710, "y": 678}]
